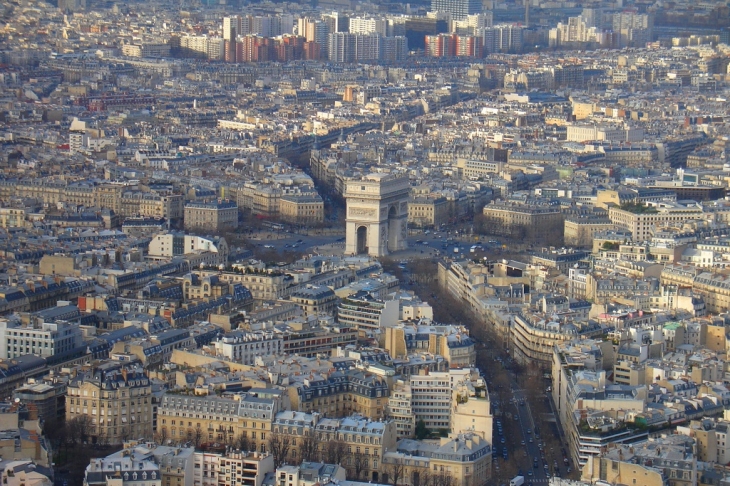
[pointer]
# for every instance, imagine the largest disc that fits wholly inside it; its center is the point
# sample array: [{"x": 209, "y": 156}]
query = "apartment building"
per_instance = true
[
  {"x": 580, "y": 231},
  {"x": 146, "y": 50},
  {"x": 426, "y": 212},
  {"x": 458, "y": 9},
  {"x": 341, "y": 393},
  {"x": 48, "y": 396},
  {"x": 365, "y": 440},
  {"x": 301, "y": 208},
  {"x": 616, "y": 468},
  {"x": 458, "y": 349},
  {"x": 582, "y": 395},
  {"x": 39, "y": 337},
  {"x": 524, "y": 221},
  {"x": 129, "y": 472},
  {"x": 367, "y": 314},
  {"x": 232, "y": 468},
  {"x": 171, "y": 244},
  {"x": 315, "y": 299},
  {"x": 13, "y": 217},
  {"x": 427, "y": 396},
  {"x": 463, "y": 460},
  {"x": 211, "y": 217},
  {"x": 171, "y": 466},
  {"x": 309, "y": 474},
  {"x": 243, "y": 346},
  {"x": 306, "y": 339},
  {"x": 465, "y": 280},
  {"x": 208, "y": 419},
  {"x": 263, "y": 286},
  {"x": 714, "y": 288},
  {"x": 152, "y": 205},
  {"x": 643, "y": 221},
  {"x": 582, "y": 133},
  {"x": 535, "y": 335},
  {"x": 472, "y": 410},
  {"x": 116, "y": 397},
  {"x": 400, "y": 409}
]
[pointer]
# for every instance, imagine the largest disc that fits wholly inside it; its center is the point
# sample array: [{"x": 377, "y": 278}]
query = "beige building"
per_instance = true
[
  {"x": 642, "y": 221},
  {"x": 58, "y": 265},
  {"x": 211, "y": 217},
  {"x": 355, "y": 442},
  {"x": 580, "y": 231},
  {"x": 462, "y": 460},
  {"x": 109, "y": 196},
  {"x": 342, "y": 393},
  {"x": 615, "y": 469},
  {"x": 712, "y": 287},
  {"x": 366, "y": 441},
  {"x": 223, "y": 419},
  {"x": 524, "y": 221},
  {"x": 424, "y": 212},
  {"x": 315, "y": 299},
  {"x": 535, "y": 335},
  {"x": 12, "y": 218},
  {"x": 458, "y": 349},
  {"x": 302, "y": 208},
  {"x": 151, "y": 205},
  {"x": 471, "y": 408},
  {"x": 262, "y": 286},
  {"x": 117, "y": 399},
  {"x": 582, "y": 109}
]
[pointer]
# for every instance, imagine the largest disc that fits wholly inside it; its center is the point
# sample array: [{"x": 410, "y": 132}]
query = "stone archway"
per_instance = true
[
  {"x": 362, "y": 240},
  {"x": 393, "y": 229}
]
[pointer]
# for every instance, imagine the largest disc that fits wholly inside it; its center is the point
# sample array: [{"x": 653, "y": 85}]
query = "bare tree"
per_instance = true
[
  {"x": 279, "y": 447},
  {"x": 124, "y": 435},
  {"x": 308, "y": 448},
  {"x": 242, "y": 443},
  {"x": 161, "y": 436},
  {"x": 79, "y": 429},
  {"x": 425, "y": 478},
  {"x": 196, "y": 435},
  {"x": 395, "y": 471},
  {"x": 359, "y": 463},
  {"x": 335, "y": 451},
  {"x": 101, "y": 438},
  {"x": 443, "y": 479}
]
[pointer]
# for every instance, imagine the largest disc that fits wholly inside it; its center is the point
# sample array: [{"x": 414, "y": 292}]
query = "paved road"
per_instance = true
[
  {"x": 421, "y": 245},
  {"x": 553, "y": 459},
  {"x": 534, "y": 471}
]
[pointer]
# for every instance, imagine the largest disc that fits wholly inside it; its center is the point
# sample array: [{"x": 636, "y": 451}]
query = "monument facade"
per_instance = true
[{"x": 377, "y": 214}]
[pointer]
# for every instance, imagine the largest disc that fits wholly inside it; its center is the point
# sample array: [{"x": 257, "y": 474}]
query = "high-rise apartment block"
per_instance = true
[
  {"x": 503, "y": 38},
  {"x": 457, "y": 9},
  {"x": 633, "y": 29}
]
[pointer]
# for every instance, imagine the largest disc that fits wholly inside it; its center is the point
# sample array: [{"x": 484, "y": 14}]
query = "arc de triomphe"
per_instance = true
[{"x": 377, "y": 214}]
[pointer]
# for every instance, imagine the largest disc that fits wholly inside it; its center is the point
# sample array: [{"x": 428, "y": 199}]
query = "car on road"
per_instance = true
[
  {"x": 522, "y": 442},
  {"x": 529, "y": 431}
]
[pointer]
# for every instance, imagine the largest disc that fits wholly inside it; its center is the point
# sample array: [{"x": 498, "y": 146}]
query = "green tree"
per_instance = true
[{"x": 421, "y": 430}]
